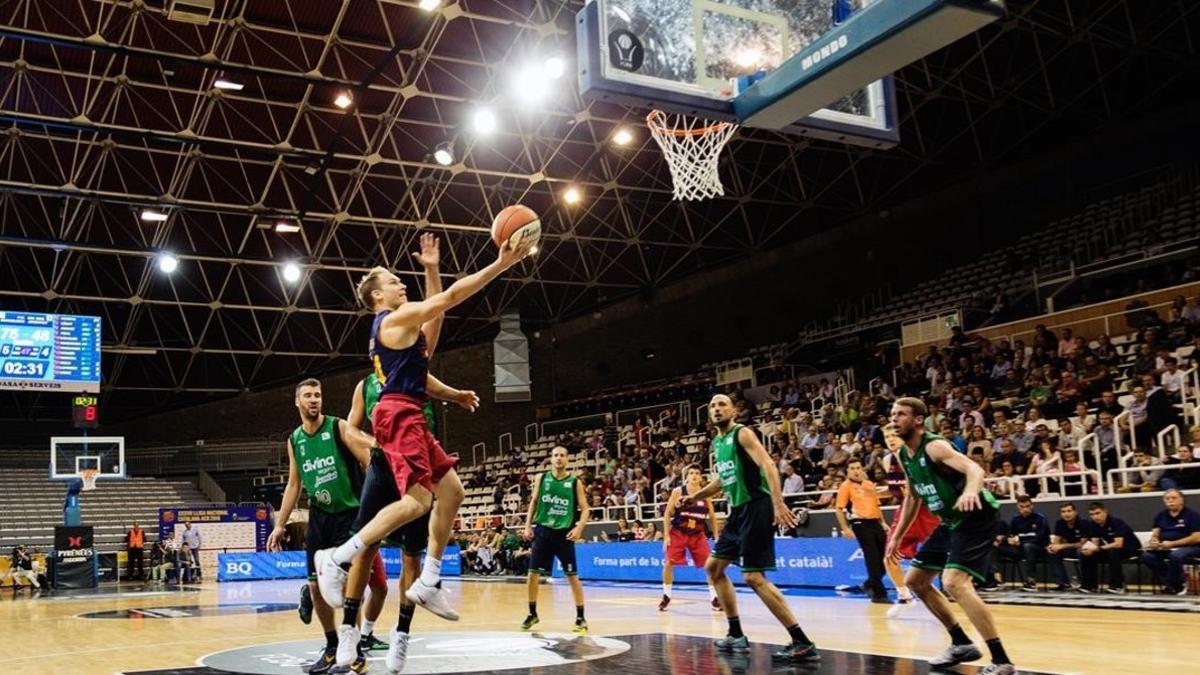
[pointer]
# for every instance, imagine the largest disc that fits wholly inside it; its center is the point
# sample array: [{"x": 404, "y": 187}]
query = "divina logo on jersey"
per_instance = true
[
  {"x": 556, "y": 500},
  {"x": 319, "y": 463}
]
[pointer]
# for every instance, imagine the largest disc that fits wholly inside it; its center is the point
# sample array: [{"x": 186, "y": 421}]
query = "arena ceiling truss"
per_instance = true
[{"x": 109, "y": 109}]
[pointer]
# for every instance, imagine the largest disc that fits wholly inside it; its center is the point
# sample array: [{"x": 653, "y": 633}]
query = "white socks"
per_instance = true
[
  {"x": 368, "y": 627},
  {"x": 346, "y": 552},
  {"x": 431, "y": 571},
  {"x": 667, "y": 589},
  {"x": 712, "y": 593},
  {"x": 904, "y": 593}
]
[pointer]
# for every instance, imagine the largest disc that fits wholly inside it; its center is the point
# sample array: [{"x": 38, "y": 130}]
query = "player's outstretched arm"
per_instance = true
[
  {"x": 430, "y": 258},
  {"x": 711, "y": 490},
  {"x": 412, "y": 314},
  {"x": 465, "y": 398},
  {"x": 291, "y": 495},
  {"x": 358, "y": 407}
]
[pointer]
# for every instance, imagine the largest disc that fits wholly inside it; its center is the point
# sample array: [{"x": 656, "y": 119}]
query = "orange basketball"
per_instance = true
[{"x": 517, "y": 225}]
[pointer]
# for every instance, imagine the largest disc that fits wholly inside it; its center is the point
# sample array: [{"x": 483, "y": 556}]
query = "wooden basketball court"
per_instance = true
[{"x": 169, "y": 631}]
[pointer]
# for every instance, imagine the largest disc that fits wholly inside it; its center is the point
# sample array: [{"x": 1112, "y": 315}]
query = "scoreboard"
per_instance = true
[{"x": 49, "y": 352}]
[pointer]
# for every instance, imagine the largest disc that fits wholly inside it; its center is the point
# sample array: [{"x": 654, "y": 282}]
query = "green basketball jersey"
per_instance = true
[
  {"x": 939, "y": 486},
  {"x": 329, "y": 472},
  {"x": 371, "y": 394},
  {"x": 556, "y": 502},
  {"x": 740, "y": 477}
]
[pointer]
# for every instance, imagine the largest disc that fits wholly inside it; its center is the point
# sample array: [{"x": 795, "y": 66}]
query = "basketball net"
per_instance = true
[
  {"x": 89, "y": 478},
  {"x": 692, "y": 147}
]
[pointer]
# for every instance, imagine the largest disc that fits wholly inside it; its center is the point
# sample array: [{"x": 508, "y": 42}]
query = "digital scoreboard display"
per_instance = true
[{"x": 49, "y": 352}]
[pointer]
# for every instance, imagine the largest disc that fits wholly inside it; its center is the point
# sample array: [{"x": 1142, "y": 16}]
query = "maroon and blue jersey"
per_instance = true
[
  {"x": 400, "y": 371},
  {"x": 691, "y": 518}
]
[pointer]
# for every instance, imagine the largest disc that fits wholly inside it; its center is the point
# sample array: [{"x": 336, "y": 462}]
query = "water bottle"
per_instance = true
[{"x": 834, "y": 533}]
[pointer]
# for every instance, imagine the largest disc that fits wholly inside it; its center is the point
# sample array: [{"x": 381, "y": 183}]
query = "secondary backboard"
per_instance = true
[
  {"x": 70, "y": 455},
  {"x": 679, "y": 55}
]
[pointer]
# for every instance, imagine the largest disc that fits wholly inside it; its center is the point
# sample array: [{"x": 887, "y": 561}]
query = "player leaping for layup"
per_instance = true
[
  {"x": 952, "y": 487},
  {"x": 750, "y": 481},
  {"x": 400, "y": 353},
  {"x": 684, "y": 528}
]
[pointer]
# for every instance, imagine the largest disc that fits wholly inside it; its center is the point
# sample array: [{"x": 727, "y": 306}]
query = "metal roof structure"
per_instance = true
[{"x": 108, "y": 108}]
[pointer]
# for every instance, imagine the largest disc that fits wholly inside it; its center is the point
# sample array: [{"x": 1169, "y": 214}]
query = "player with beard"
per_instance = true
[
  {"x": 750, "y": 481},
  {"x": 952, "y": 487},
  {"x": 326, "y": 455}
]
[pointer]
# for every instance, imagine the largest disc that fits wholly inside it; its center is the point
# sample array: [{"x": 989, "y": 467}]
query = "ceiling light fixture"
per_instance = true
[
  {"x": 343, "y": 100},
  {"x": 444, "y": 153}
]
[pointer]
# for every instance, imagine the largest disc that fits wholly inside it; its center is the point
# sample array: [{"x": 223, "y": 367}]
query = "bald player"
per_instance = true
[{"x": 750, "y": 481}]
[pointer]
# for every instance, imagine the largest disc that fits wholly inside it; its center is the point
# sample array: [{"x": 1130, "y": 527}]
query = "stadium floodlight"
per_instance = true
[
  {"x": 623, "y": 136},
  {"x": 429, "y": 5},
  {"x": 554, "y": 67},
  {"x": 444, "y": 153},
  {"x": 287, "y": 226},
  {"x": 167, "y": 263},
  {"x": 572, "y": 195},
  {"x": 291, "y": 272},
  {"x": 343, "y": 100},
  {"x": 153, "y": 216},
  {"x": 230, "y": 85},
  {"x": 530, "y": 85},
  {"x": 484, "y": 121}
]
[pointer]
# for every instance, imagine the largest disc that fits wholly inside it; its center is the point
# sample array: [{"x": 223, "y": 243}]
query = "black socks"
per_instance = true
[
  {"x": 735, "y": 627},
  {"x": 958, "y": 636},
  {"x": 533, "y": 609},
  {"x": 999, "y": 657},
  {"x": 406, "y": 616},
  {"x": 798, "y": 635},
  {"x": 350, "y": 618},
  {"x": 579, "y": 612}
]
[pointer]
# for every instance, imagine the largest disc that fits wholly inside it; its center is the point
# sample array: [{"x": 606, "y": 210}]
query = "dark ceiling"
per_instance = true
[{"x": 107, "y": 108}]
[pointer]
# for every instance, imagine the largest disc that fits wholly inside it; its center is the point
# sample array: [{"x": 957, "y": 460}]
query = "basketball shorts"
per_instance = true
[
  {"x": 326, "y": 530},
  {"x": 922, "y": 526},
  {"x": 414, "y": 455},
  {"x": 748, "y": 539},
  {"x": 379, "y": 489},
  {"x": 966, "y": 547},
  {"x": 548, "y": 544},
  {"x": 683, "y": 543}
]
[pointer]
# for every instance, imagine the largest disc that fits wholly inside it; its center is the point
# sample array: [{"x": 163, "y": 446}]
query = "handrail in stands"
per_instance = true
[{"x": 1133, "y": 469}]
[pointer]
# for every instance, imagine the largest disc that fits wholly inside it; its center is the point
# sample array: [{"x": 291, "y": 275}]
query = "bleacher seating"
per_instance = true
[{"x": 31, "y": 506}]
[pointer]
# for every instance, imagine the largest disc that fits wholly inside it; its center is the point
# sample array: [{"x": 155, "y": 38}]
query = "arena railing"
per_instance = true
[
  {"x": 1113, "y": 473},
  {"x": 1173, "y": 432}
]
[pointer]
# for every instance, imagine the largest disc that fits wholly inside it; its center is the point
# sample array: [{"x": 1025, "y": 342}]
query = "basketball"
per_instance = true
[{"x": 517, "y": 225}]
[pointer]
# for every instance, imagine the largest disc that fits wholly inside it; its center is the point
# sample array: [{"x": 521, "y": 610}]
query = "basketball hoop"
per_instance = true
[
  {"x": 692, "y": 147},
  {"x": 89, "y": 478}
]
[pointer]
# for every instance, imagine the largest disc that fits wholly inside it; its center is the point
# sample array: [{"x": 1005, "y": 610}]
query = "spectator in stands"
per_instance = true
[
  {"x": 1022, "y": 438},
  {"x": 1191, "y": 313},
  {"x": 1045, "y": 338},
  {"x": 21, "y": 568},
  {"x": 1149, "y": 477},
  {"x": 1174, "y": 540},
  {"x": 1160, "y": 411},
  {"x": 1047, "y": 460},
  {"x": 633, "y": 494},
  {"x": 191, "y": 537},
  {"x": 1145, "y": 361},
  {"x": 652, "y": 532},
  {"x": 1070, "y": 531},
  {"x": 1082, "y": 419},
  {"x": 1066, "y": 345},
  {"x": 1183, "y": 478},
  {"x": 1108, "y": 404},
  {"x": 1007, "y": 487},
  {"x": 1112, "y": 541},
  {"x": 1028, "y": 537},
  {"x": 1172, "y": 380},
  {"x": 135, "y": 542},
  {"x": 792, "y": 481},
  {"x": 1069, "y": 435},
  {"x": 1106, "y": 439},
  {"x": 611, "y": 435},
  {"x": 160, "y": 560},
  {"x": 1012, "y": 390},
  {"x": 1040, "y": 390},
  {"x": 969, "y": 417},
  {"x": 1094, "y": 378}
]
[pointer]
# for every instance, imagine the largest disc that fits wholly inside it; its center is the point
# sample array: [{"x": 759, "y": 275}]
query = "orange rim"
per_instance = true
[{"x": 652, "y": 121}]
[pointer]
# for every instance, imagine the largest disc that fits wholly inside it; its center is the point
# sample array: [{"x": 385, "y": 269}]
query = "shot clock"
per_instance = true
[{"x": 85, "y": 411}]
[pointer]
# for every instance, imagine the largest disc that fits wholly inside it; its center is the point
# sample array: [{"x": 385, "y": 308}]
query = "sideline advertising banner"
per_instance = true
[
  {"x": 292, "y": 565},
  {"x": 820, "y": 562},
  {"x": 75, "y": 563}
]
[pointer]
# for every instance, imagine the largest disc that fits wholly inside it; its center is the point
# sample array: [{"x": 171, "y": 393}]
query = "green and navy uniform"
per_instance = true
[
  {"x": 379, "y": 487},
  {"x": 333, "y": 480},
  {"x": 963, "y": 541},
  {"x": 748, "y": 538},
  {"x": 553, "y": 518}
]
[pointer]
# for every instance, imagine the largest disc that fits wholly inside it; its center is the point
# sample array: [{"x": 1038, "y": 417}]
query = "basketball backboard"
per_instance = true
[
  {"x": 71, "y": 455},
  {"x": 680, "y": 55}
]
